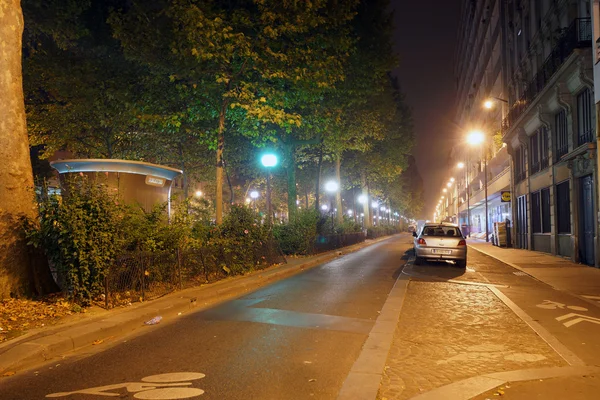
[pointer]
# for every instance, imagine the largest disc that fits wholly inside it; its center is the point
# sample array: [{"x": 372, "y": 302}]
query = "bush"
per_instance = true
[
  {"x": 78, "y": 233},
  {"x": 298, "y": 237},
  {"x": 384, "y": 230}
]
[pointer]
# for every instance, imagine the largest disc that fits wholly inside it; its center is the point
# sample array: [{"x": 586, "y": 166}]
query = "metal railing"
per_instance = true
[
  {"x": 586, "y": 137},
  {"x": 561, "y": 151},
  {"x": 143, "y": 276},
  {"x": 577, "y": 35},
  {"x": 332, "y": 242}
]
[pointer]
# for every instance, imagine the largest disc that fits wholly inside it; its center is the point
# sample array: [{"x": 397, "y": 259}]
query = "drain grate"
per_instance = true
[{"x": 520, "y": 273}]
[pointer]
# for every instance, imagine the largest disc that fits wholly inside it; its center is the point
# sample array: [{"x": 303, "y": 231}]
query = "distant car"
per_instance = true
[{"x": 440, "y": 242}]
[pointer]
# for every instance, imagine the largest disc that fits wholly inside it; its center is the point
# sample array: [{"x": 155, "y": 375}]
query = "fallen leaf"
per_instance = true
[
  {"x": 99, "y": 341},
  {"x": 9, "y": 373}
]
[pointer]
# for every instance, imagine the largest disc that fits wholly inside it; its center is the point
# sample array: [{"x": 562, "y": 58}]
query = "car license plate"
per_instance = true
[{"x": 438, "y": 251}]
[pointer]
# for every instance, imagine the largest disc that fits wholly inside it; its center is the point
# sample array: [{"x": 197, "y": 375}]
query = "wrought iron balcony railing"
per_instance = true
[
  {"x": 586, "y": 137},
  {"x": 577, "y": 35}
]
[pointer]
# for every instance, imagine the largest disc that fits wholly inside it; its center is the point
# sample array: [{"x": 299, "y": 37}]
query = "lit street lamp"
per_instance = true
[
  {"x": 332, "y": 187},
  {"x": 461, "y": 165},
  {"x": 254, "y": 195},
  {"x": 268, "y": 161},
  {"x": 477, "y": 138}
]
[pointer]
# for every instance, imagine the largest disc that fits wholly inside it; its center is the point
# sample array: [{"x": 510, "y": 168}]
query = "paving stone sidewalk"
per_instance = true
[
  {"x": 558, "y": 272},
  {"x": 449, "y": 332}
]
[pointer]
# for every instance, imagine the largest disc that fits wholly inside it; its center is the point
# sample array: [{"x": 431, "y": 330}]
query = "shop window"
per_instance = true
[
  {"x": 563, "y": 207},
  {"x": 540, "y": 211},
  {"x": 546, "y": 225},
  {"x": 536, "y": 220}
]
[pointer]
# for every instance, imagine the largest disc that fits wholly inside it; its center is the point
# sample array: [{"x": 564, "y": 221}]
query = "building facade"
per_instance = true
[
  {"x": 550, "y": 126},
  {"x": 479, "y": 78}
]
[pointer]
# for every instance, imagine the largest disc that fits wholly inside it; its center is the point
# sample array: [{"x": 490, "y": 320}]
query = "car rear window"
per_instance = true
[{"x": 441, "y": 230}]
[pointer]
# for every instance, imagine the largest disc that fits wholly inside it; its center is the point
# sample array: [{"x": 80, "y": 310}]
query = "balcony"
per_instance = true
[
  {"x": 586, "y": 137},
  {"x": 577, "y": 35}
]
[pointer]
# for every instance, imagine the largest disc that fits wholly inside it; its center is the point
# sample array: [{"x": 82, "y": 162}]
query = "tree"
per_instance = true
[
  {"x": 19, "y": 272},
  {"x": 243, "y": 57},
  {"x": 81, "y": 92}
]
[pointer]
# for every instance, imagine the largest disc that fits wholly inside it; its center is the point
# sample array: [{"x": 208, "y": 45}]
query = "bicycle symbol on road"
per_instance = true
[
  {"x": 570, "y": 318},
  {"x": 155, "y": 387},
  {"x": 553, "y": 305}
]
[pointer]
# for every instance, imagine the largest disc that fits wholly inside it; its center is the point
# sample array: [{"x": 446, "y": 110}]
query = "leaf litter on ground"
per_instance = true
[{"x": 19, "y": 315}]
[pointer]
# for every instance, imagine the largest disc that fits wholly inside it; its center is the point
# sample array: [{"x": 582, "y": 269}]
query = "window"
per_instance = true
[
  {"x": 540, "y": 211},
  {"x": 562, "y": 135},
  {"x": 538, "y": 151},
  {"x": 536, "y": 221},
  {"x": 520, "y": 164},
  {"x": 546, "y": 210},
  {"x": 563, "y": 207},
  {"x": 585, "y": 117},
  {"x": 534, "y": 153}
]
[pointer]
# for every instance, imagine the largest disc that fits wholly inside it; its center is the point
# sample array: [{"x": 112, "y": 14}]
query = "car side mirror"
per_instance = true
[{"x": 414, "y": 234}]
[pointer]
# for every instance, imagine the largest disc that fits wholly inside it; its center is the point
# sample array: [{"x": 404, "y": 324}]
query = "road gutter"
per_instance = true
[{"x": 365, "y": 376}]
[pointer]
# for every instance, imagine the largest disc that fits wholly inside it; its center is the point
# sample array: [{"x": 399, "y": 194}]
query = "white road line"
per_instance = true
[{"x": 552, "y": 341}]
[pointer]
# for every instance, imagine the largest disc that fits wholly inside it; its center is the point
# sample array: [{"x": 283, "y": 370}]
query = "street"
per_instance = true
[
  {"x": 295, "y": 339},
  {"x": 299, "y": 338}
]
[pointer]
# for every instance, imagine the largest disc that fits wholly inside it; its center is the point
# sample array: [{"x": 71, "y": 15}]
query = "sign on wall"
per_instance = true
[
  {"x": 155, "y": 181},
  {"x": 505, "y": 196}
]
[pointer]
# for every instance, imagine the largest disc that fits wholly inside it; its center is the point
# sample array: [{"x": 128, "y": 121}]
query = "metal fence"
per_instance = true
[
  {"x": 142, "y": 276},
  {"x": 332, "y": 242}
]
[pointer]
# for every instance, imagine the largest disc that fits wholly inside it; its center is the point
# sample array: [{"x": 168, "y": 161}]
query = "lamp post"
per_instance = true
[
  {"x": 374, "y": 205},
  {"x": 477, "y": 138},
  {"x": 364, "y": 200},
  {"x": 254, "y": 196},
  {"x": 268, "y": 161},
  {"x": 462, "y": 165},
  {"x": 332, "y": 187}
]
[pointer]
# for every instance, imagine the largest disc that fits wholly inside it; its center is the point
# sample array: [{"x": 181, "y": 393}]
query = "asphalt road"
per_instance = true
[{"x": 295, "y": 339}]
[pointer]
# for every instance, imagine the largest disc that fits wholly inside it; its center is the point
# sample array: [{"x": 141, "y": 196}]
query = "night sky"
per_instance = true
[{"x": 425, "y": 39}]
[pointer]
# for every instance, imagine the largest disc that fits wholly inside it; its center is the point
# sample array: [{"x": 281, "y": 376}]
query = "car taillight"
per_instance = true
[
  {"x": 462, "y": 243},
  {"x": 421, "y": 242}
]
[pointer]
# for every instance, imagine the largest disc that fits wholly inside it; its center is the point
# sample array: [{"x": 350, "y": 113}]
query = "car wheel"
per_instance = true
[
  {"x": 461, "y": 264},
  {"x": 418, "y": 261}
]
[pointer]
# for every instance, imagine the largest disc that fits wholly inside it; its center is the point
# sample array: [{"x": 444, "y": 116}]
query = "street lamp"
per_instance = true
[
  {"x": 332, "y": 187},
  {"x": 269, "y": 160},
  {"x": 362, "y": 199},
  {"x": 477, "y": 138},
  {"x": 254, "y": 195},
  {"x": 198, "y": 193},
  {"x": 461, "y": 165}
]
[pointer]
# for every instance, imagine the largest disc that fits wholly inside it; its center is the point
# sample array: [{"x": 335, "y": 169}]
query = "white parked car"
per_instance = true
[{"x": 440, "y": 242}]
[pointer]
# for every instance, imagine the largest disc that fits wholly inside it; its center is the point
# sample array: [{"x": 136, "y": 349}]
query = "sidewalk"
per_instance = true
[
  {"x": 44, "y": 344},
  {"x": 558, "y": 272}
]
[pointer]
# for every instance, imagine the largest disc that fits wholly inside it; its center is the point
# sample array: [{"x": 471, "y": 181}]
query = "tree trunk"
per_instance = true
[
  {"x": 366, "y": 204},
  {"x": 219, "y": 177},
  {"x": 338, "y": 195},
  {"x": 318, "y": 183},
  {"x": 19, "y": 271},
  {"x": 290, "y": 155}
]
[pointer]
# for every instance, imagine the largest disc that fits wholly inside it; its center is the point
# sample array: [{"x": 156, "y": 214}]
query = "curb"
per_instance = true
[
  {"x": 364, "y": 379},
  {"x": 57, "y": 342},
  {"x": 471, "y": 387}
]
